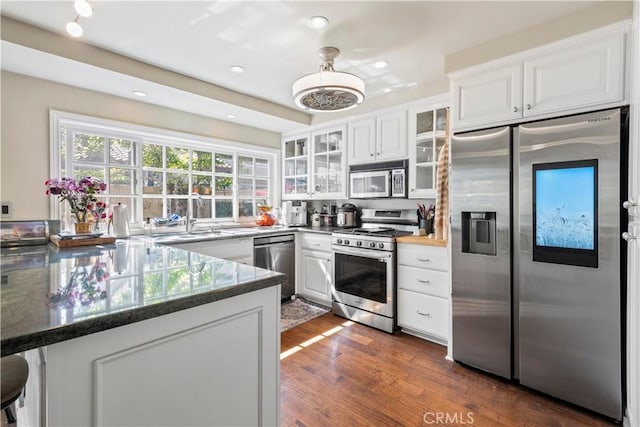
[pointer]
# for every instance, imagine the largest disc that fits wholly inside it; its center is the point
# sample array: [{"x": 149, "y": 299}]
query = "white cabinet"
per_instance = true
[
  {"x": 490, "y": 96},
  {"x": 427, "y": 136},
  {"x": 362, "y": 141},
  {"x": 314, "y": 165},
  {"x": 315, "y": 267},
  {"x": 238, "y": 250},
  {"x": 329, "y": 163},
  {"x": 391, "y": 136},
  {"x": 295, "y": 165},
  {"x": 568, "y": 76},
  {"x": 580, "y": 76},
  {"x": 213, "y": 364},
  {"x": 31, "y": 406},
  {"x": 424, "y": 291},
  {"x": 379, "y": 138}
]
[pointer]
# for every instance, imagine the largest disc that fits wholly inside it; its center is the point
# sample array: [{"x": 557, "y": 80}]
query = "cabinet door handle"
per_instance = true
[
  {"x": 423, "y": 259},
  {"x": 413, "y": 189},
  {"x": 370, "y": 154},
  {"x": 528, "y": 106},
  {"x": 423, "y": 314},
  {"x": 515, "y": 109},
  {"x": 377, "y": 154},
  {"x": 423, "y": 281}
]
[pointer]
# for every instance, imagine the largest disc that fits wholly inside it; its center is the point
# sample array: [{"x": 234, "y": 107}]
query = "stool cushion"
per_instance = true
[{"x": 14, "y": 373}]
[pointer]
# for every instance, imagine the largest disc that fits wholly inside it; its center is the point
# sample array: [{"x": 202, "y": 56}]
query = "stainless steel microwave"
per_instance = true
[{"x": 378, "y": 180}]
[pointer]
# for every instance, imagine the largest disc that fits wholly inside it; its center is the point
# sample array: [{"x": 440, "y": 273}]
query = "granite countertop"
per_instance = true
[{"x": 50, "y": 295}]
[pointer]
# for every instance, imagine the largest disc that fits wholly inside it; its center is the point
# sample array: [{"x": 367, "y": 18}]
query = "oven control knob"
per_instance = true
[
  {"x": 381, "y": 245},
  {"x": 358, "y": 243},
  {"x": 372, "y": 244},
  {"x": 339, "y": 241},
  {"x": 346, "y": 242}
]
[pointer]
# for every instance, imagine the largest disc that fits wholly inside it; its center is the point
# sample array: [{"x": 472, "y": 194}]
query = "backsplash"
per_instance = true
[{"x": 372, "y": 203}]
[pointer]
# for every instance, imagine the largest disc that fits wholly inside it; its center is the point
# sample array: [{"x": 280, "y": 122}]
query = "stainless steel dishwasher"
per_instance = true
[{"x": 277, "y": 253}]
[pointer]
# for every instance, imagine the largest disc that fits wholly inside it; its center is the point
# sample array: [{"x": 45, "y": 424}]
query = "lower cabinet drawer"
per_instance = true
[
  {"x": 315, "y": 241},
  {"x": 423, "y": 313},
  {"x": 421, "y": 280}
]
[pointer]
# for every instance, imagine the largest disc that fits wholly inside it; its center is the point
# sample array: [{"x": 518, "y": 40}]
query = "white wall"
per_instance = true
[{"x": 24, "y": 147}]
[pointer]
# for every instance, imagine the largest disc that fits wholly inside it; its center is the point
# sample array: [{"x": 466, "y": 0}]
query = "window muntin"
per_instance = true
[{"x": 156, "y": 175}]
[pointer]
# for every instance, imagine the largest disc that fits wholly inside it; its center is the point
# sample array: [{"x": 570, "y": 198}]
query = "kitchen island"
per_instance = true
[{"x": 141, "y": 334}]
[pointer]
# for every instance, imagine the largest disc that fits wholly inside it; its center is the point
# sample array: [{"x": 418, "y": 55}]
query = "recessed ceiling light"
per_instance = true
[
  {"x": 231, "y": 116},
  {"x": 237, "y": 69},
  {"x": 83, "y": 8},
  {"x": 74, "y": 29},
  {"x": 139, "y": 93},
  {"x": 387, "y": 90},
  {"x": 318, "y": 22},
  {"x": 381, "y": 64}
]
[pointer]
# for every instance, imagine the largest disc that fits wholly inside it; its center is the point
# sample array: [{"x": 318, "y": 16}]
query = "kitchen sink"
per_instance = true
[{"x": 185, "y": 237}]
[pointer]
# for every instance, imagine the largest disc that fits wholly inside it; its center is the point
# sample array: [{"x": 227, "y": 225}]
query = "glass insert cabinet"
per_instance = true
[
  {"x": 427, "y": 135},
  {"x": 315, "y": 165}
]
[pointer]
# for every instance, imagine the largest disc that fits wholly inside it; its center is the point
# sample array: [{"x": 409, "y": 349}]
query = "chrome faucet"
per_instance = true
[{"x": 190, "y": 219}]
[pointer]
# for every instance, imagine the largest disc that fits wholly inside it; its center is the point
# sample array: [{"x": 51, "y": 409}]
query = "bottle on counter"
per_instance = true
[{"x": 147, "y": 227}]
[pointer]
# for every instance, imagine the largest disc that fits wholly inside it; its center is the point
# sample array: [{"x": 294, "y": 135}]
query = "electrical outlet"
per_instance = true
[{"x": 6, "y": 210}]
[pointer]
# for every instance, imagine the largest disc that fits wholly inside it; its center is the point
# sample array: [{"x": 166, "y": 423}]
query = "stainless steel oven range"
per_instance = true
[{"x": 364, "y": 285}]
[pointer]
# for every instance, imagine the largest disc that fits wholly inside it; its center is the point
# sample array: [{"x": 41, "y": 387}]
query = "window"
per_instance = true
[{"x": 157, "y": 173}]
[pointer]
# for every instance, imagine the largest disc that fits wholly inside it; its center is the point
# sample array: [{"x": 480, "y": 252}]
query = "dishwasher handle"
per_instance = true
[{"x": 265, "y": 241}]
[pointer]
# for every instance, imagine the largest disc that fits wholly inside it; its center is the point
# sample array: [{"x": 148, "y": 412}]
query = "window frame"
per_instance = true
[{"x": 145, "y": 134}]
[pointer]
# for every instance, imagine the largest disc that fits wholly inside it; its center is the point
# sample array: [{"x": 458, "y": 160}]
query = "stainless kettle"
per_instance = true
[{"x": 120, "y": 220}]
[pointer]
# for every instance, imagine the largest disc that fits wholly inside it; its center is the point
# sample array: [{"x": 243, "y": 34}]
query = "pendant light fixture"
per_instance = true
[{"x": 328, "y": 90}]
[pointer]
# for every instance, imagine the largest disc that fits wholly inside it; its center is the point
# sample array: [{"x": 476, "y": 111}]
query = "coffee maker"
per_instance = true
[{"x": 294, "y": 213}]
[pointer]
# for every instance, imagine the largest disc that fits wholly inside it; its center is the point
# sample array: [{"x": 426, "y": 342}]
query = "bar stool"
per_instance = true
[{"x": 14, "y": 372}]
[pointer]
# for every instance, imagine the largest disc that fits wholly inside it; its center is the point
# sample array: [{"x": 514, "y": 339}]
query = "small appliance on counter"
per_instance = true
[
  {"x": 347, "y": 216},
  {"x": 315, "y": 220},
  {"x": 24, "y": 233},
  {"x": 294, "y": 213},
  {"x": 328, "y": 215}
]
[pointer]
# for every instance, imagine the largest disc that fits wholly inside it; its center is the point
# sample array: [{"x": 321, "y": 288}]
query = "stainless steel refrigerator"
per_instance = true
[{"x": 537, "y": 272}]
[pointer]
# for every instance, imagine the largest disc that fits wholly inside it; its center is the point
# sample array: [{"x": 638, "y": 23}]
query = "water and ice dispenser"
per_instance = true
[{"x": 479, "y": 233}]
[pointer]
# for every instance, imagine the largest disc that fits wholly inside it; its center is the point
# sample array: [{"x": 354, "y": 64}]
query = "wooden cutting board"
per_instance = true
[{"x": 83, "y": 241}]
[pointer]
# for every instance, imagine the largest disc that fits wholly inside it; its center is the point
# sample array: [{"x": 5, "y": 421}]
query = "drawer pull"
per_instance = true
[
  {"x": 423, "y": 259},
  {"x": 316, "y": 244},
  {"x": 423, "y": 281},
  {"x": 423, "y": 314}
]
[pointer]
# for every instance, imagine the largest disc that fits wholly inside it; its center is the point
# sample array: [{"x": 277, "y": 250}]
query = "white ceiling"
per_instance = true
[{"x": 272, "y": 40}]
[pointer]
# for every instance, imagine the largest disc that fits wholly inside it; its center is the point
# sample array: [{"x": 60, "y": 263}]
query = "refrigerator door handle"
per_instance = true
[{"x": 628, "y": 236}]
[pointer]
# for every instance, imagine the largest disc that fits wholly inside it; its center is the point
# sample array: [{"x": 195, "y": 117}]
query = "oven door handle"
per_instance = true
[{"x": 367, "y": 253}]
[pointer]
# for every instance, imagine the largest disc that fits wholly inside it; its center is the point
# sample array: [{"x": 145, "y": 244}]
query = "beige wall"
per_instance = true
[
  {"x": 24, "y": 147},
  {"x": 605, "y": 13}
]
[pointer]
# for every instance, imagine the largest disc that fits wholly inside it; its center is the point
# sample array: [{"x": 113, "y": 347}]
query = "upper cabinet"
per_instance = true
[
  {"x": 568, "y": 76},
  {"x": 295, "y": 151},
  {"x": 427, "y": 136},
  {"x": 314, "y": 165},
  {"x": 491, "y": 96},
  {"x": 379, "y": 138},
  {"x": 329, "y": 179}
]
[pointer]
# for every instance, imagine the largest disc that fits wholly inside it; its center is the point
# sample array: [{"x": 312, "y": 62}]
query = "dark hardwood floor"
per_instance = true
[{"x": 339, "y": 373}]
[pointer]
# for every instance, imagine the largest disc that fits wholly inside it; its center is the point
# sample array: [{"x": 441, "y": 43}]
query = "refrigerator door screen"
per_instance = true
[{"x": 565, "y": 212}]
